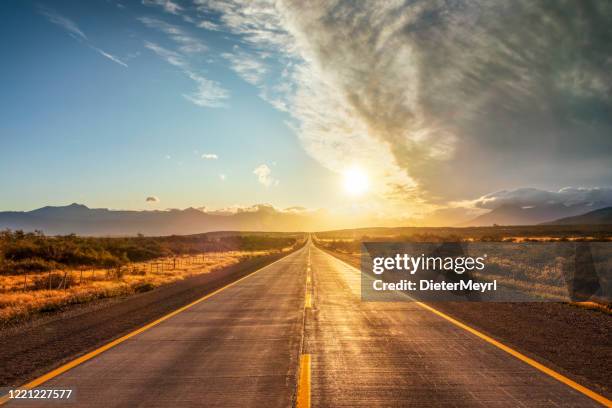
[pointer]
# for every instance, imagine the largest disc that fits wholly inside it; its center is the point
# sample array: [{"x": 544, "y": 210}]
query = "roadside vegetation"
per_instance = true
[
  {"x": 40, "y": 273},
  {"x": 539, "y": 269}
]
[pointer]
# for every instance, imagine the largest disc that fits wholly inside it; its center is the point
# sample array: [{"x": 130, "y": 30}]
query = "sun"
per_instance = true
[{"x": 355, "y": 181}]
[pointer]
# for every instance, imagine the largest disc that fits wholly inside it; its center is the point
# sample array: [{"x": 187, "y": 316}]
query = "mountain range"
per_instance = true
[
  {"x": 599, "y": 217},
  {"x": 81, "y": 220},
  {"x": 516, "y": 215}
]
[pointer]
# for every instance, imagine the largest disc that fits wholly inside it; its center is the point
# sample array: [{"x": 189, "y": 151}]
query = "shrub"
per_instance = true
[{"x": 57, "y": 281}]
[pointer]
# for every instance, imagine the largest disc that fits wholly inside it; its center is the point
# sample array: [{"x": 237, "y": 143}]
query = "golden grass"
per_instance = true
[{"x": 19, "y": 299}]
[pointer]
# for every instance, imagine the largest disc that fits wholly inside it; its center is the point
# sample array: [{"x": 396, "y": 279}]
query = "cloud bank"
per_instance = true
[
  {"x": 442, "y": 101},
  {"x": 532, "y": 197}
]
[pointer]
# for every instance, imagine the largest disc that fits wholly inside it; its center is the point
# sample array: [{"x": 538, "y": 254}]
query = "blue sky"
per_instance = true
[
  {"x": 420, "y": 111},
  {"x": 78, "y": 126}
]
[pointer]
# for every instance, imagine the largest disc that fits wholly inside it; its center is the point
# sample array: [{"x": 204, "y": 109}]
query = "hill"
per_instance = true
[
  {"x": 603, "y": 216},
  {"x": 515, "y": 215}
]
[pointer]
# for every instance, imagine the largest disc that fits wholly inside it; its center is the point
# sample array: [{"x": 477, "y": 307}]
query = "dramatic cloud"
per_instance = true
[
  {"x": 76, "y": 33},
  {"x": 442, "y": 101},
  {"x": 210, "y": 156},
  {"x": 152, "y": 199},
  {"x": 532, "y": 197},
  {"x": 209, "y": 94},
  {"x": 264, "y": 175}
]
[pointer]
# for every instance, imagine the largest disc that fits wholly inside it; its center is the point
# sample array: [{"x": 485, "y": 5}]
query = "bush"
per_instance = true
[
  {"x": 143, "y": 287},
  {"x": 58, "y": 281}
]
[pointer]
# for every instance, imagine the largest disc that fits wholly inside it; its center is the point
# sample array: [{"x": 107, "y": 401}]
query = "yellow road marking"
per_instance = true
[
  {"x": 557, "y": 376},
  {"x": 552, "y": 373},
  {"x": 70, "y": 365},
  {"x": 303, "y": 396},
  {"x": 308, "y": 300}
]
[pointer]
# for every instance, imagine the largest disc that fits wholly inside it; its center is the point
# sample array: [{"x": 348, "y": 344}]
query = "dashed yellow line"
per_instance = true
[
  {"x": 70, "y": 365},
  {"x": 552, "y": 373},
  {"x": 303, "y": 396},
  {"x": 308, "y": 301}
]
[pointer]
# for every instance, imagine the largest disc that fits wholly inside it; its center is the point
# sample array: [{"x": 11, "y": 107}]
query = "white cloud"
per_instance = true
[
  {"x": 222, "y": 177},
  {"x": 109, "y": 56},
  {"x": 245, "y": 65},
  {"x": 187, "y": 43},
  {"x": 208, "y": 94},
  {"x": 264, "y": 175},
  {"x": 208, "y": 25},
  {"x": 152, "y": 199},
  {"x": 76, "y": 32},
  {"x": 63, "y": 22},
  {"x": 532, "y": 197},
  {"x": 168, "y": 5},
  {"x": 210, "y": 156}
]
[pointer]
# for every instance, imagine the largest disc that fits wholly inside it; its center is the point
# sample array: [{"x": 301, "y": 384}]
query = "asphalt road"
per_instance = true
[{"x": 242, "y": 348}]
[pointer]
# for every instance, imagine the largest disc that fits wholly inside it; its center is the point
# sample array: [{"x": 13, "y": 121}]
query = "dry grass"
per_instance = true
[{"x": 22, "y": 296}]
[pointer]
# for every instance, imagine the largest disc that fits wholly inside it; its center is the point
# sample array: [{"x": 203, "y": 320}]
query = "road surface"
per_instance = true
[{"x": 243, "y": 347}]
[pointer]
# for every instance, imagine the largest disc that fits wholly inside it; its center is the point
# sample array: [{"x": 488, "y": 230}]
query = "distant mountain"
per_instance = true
[
  {"x": 602, "y": 216},
  {"x": 515, "y": 215},
  {"x": 81, "y": 220}
]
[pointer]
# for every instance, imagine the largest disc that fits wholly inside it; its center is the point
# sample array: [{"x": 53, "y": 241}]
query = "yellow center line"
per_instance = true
[
  {"x": 552, "y": 373},
  {"x": 303, "y": 396},
  {"x": 70, "y": 365},
  {"x": 308, "y": 301}
]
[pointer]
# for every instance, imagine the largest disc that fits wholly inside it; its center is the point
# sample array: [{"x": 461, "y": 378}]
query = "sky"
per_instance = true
[{"x": 426, "y": 110}]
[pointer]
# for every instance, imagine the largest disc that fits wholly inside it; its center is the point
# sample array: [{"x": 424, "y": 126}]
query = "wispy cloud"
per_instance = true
[
  {"x": 246, "y": 65},
  {"x": 187, "y": 43},
  {"x": 208, "y": 25},
  {"x": 167, "y": 5},
  {"x": 264, "y": 175},
  {"x": 109, "y": 56},
  {"x": 210, "y": 156},
  {"x": 74, "y": 31},
  {"x": 209, "y": 94},
  {"x": 62, "y": 21}
]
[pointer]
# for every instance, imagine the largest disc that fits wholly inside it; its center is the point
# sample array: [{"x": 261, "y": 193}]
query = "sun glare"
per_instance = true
[{"x": 356, "y": 181}]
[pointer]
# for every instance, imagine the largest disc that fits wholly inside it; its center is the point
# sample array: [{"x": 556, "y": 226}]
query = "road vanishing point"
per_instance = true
[{"x": 296, "y": 333}]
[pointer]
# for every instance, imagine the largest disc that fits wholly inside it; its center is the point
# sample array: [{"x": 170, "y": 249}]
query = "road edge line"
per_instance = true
[
  {"x": 527, "y": 360},
  {"x": 88, "y": 356}
]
